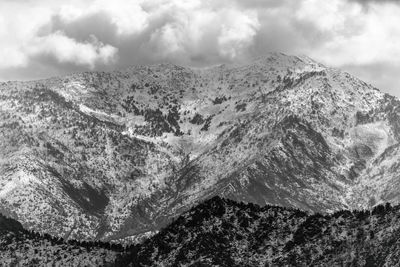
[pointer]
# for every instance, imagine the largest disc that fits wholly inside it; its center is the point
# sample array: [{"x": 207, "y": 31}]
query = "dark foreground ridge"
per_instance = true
[
  {"x": 20, "y": 247},
  {"x": 221, "y": 232}
]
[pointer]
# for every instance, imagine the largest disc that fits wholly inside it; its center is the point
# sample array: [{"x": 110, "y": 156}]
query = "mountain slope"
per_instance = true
[
  {"x": 221, "y": 232},
  {"x": 113, "y": 155}
]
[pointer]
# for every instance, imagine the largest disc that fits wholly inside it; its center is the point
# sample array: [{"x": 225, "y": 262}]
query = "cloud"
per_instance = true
[
  {"x": 237, "y": 33},
  {"x": 372, "y": 38},
  {"x": 375, "y": 1},
  {"x": 54, "y": 37},
  {"x": 128, "y": 17},
  {"x": 21, "y": 41},
  {"x": 68, "y": 50}
]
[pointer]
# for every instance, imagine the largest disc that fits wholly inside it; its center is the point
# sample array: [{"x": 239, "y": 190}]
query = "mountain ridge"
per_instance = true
[{"x": 222, "y": 232}]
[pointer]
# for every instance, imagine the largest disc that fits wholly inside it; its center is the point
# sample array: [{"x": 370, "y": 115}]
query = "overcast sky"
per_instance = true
[{"x": 42, "y": 38}]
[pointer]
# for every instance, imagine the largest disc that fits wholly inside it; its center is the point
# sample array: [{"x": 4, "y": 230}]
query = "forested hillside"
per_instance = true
[
  {"x": 222, "y": 232},
  {"x": 20, "y": 247}
]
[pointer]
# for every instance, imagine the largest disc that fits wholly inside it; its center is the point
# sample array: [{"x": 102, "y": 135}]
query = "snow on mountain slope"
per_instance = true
[{"x": 112, "y": 155}]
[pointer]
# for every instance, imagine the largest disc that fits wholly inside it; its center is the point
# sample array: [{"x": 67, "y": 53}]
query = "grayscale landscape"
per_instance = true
[{"x": 242, "y": 157}]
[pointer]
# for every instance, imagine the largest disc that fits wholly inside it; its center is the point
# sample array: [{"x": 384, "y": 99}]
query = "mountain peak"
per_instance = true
[{"x": 288, "y": 61}]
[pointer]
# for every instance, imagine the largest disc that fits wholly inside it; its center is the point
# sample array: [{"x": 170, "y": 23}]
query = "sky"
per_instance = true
[{"x": 44, "y": 38}]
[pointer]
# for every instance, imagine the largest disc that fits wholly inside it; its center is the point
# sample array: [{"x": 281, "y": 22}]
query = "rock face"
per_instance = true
[
  {"x": 114, "y": 155},
  {"x": 222, "y": 232}
]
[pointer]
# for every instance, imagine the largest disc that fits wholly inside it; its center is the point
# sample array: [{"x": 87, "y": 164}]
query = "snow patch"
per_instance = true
[{"x": 17, "y": 180}]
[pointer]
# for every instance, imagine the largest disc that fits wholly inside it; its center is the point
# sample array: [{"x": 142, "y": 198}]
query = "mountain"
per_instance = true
[
  {"x": 221, "y": 232},
  {"x": 118, "y": 155},
  {"x": 19, "y": 247}
]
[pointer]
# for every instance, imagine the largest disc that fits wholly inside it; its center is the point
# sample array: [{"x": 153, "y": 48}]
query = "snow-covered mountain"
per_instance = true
[{"x": 114, "y": 155}]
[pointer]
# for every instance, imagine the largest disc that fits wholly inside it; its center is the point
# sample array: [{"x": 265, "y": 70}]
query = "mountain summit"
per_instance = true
[{"x": 119, "y": 154}]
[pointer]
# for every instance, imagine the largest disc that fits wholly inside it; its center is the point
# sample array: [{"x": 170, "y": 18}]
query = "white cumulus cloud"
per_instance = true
[{"x": 68, "y": 50}]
